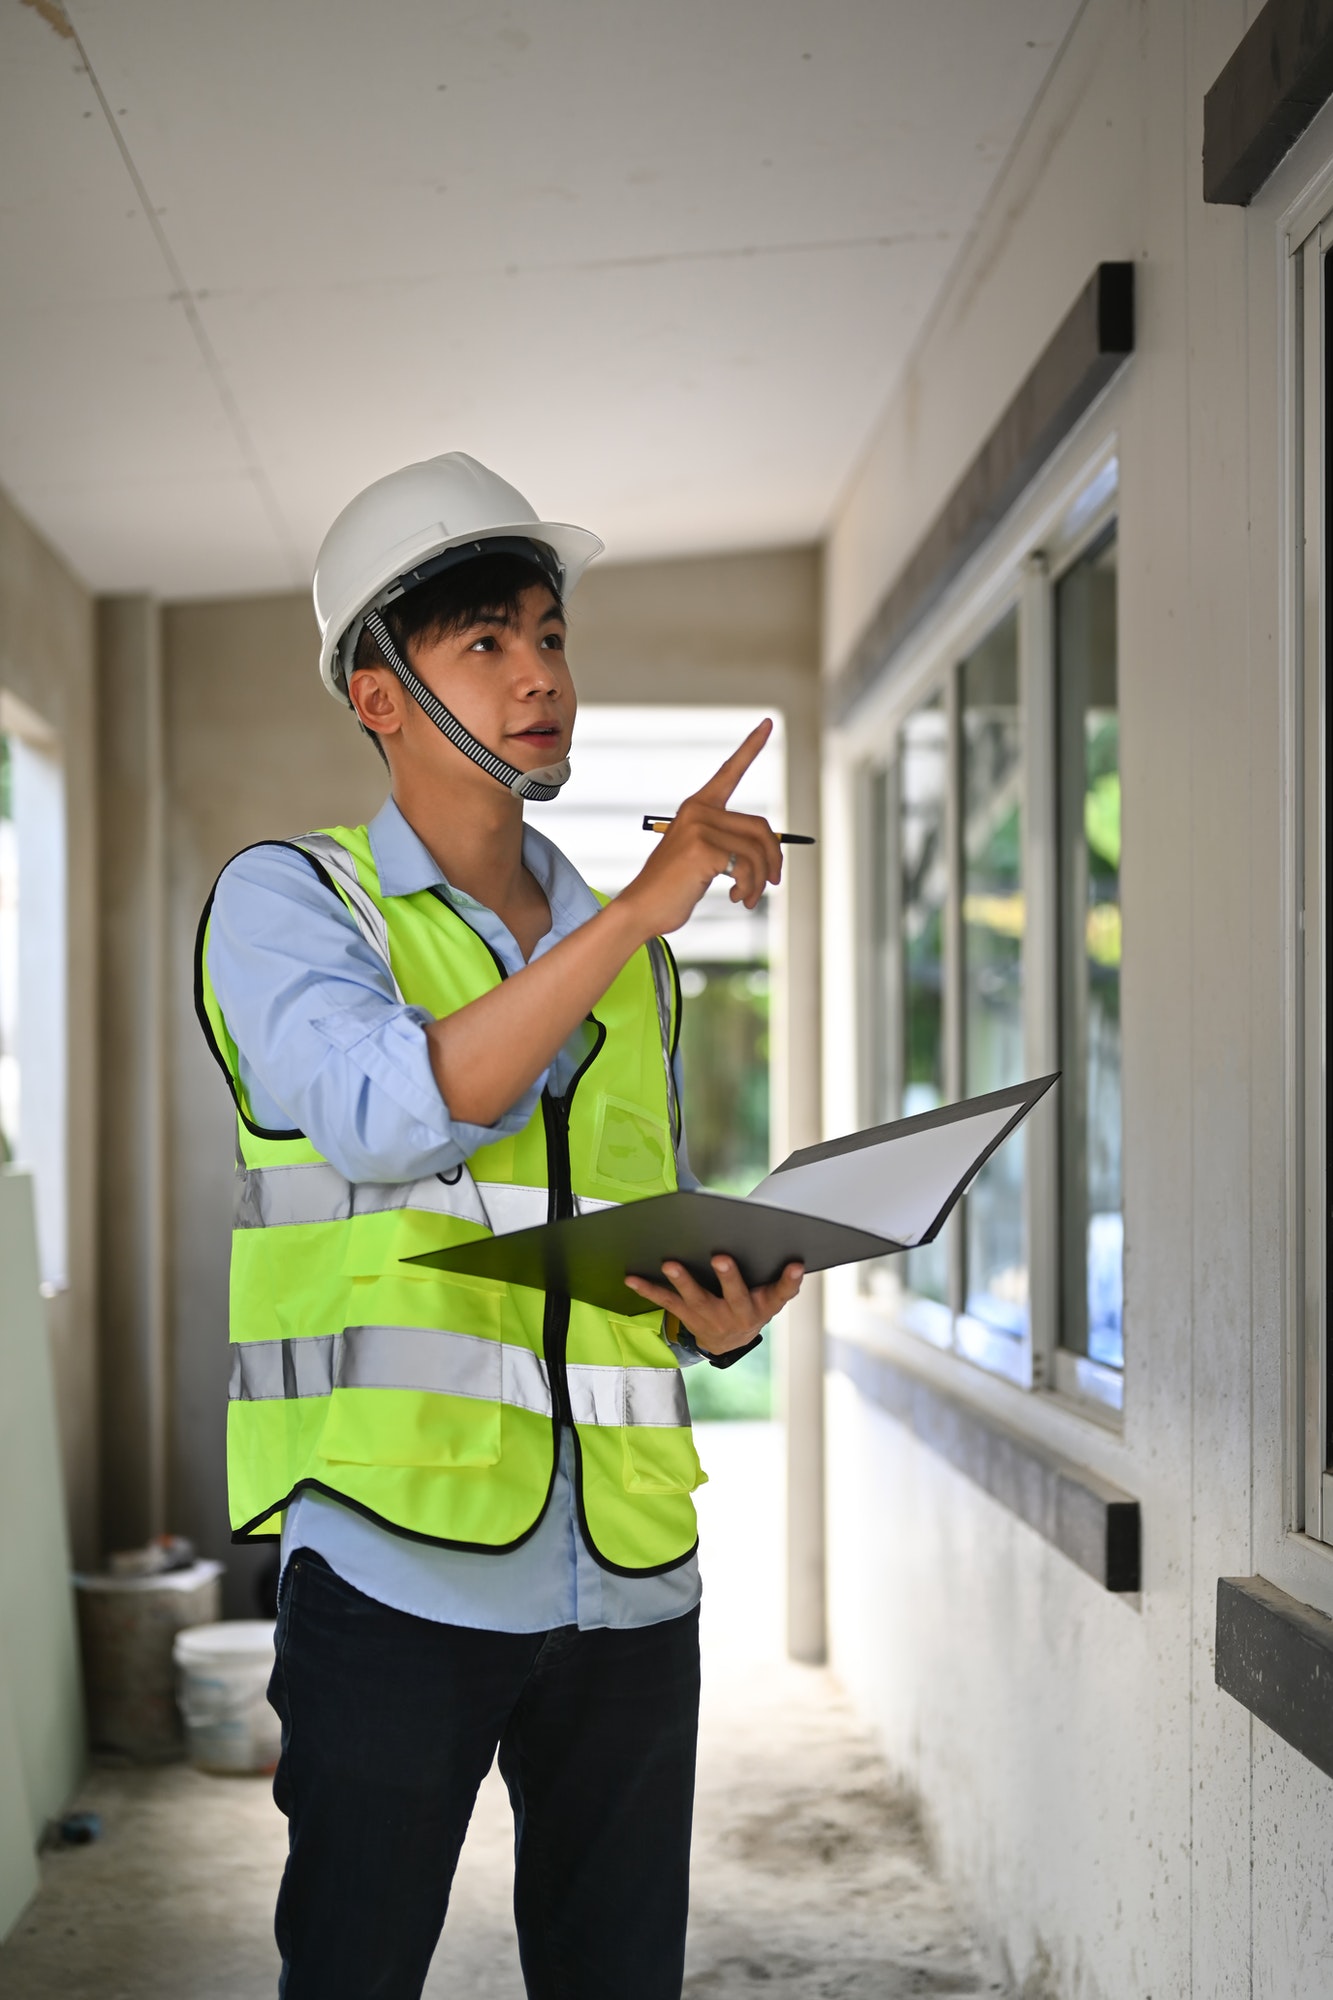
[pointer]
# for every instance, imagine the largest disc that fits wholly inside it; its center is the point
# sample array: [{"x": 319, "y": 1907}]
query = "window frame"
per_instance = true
[
  {"x": 1292, "y": 1522},
  {"x": 1068, "y": 511},
  {"x": 1309, "y": 1478},
  {"x": 1074, "y": 1375}
]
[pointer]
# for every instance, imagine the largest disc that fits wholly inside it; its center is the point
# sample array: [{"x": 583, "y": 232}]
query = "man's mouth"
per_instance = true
[{"x": 541, "y": 733}]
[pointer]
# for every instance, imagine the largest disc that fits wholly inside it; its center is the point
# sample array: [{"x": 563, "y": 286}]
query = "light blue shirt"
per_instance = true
[{"x": 326, "y": 1046}]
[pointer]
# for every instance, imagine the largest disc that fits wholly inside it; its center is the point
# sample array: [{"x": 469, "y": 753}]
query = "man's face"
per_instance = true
[{"x": 507, "y": 681}]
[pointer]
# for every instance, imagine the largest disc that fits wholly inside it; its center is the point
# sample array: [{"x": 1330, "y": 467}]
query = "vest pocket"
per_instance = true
[
  {"x": 655, "y": 1457},
  {"x": 414, "y": 1395},
  {"x": 403, "y": 1427},
  {"x": 631, "y": 1148},
  {"x": 661, "y": 1461}
]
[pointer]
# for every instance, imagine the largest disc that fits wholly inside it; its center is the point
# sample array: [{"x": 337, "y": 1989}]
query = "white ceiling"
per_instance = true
[{"x": 657, "y": 261}]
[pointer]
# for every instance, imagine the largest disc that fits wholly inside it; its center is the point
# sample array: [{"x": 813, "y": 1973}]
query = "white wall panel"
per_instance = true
[
  {"x": 1119, "y": 1819},
  {"x": 1028, "y": 1716}
]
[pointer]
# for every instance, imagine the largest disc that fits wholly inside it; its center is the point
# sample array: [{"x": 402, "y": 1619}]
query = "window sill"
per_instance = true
[
  {"x": 1091, "y": 1521},
  {"x": 1079, "y": 1392},
  {"x": 1002, "y": 1354},
  {"x": 1274, "y": 1655},
  {"x": 1096, "y": 1392}
]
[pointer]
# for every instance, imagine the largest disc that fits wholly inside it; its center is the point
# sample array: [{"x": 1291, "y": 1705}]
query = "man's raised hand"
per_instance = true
[{"x": 707, "y": 839}]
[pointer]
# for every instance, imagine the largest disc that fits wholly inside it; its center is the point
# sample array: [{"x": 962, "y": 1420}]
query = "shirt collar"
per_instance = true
[
  {"x": 405, "y": 865},
  {"x": 402, "y": 860}
]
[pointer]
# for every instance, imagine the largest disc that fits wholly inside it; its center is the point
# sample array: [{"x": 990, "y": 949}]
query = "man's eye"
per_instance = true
[
  {"x": 485, "y": 644},
  {"x": 555, "y": 640}
]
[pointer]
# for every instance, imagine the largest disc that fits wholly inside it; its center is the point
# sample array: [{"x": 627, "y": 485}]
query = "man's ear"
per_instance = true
[{"x": 378, "y": 699}]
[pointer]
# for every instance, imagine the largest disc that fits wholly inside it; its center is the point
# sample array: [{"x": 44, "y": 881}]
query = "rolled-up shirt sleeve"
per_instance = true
[{"x": 326, "y": 1045}]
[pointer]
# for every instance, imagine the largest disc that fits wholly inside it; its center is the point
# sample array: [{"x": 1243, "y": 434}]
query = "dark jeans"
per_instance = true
[{"x": 389, "y": 1725}]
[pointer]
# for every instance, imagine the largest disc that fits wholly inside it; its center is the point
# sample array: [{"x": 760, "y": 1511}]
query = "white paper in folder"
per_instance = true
[{"x": 897, "y": 1180}]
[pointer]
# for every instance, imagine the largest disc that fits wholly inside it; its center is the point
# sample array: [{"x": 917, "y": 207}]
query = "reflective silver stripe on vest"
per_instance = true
[
  {"x": 442, "y": 1364},
  {"x": 511, "y": 1206},
  {"x": 647, "y": 1396},
  {"x": 270, "y": 1197},
  {"x": 266, "y": 1371},
  {"x": 369, "y": 918},
  {"x": 664, "y": 993},
  {"x": 313, "y": 1191},
  {"x": 391, "y": 1357},
  {"x": 450, "y": 1364}
]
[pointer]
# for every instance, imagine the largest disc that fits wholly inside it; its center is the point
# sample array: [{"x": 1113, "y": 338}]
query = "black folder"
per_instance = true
[{"x": 867, "y": 1195}]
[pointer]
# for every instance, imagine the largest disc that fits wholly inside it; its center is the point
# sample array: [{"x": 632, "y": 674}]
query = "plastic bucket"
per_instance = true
[{"x": 222, "y": 1672}]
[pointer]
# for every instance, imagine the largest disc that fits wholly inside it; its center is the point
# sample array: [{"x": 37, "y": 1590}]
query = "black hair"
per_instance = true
[{"x": 487, "y": 586}]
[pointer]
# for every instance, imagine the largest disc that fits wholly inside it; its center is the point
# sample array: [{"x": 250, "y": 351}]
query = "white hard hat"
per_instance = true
[{"x": 389, "y": 532}]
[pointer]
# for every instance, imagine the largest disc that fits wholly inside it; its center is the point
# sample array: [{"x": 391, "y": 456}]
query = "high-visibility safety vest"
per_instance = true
[{"x": 433, "y": 1402}]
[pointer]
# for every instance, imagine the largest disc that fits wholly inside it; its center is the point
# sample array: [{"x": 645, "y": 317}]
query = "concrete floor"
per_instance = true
[{"x": 811, "y": 1874}]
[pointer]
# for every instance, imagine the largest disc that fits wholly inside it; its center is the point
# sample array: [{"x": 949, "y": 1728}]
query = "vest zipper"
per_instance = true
[
  {"x": 559, "y": 1207},
  {"x": 559, "y": 1202}
]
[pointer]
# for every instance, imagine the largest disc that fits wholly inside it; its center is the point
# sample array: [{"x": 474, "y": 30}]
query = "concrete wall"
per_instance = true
[
  {"x": 1124, "y": 1827},
  {"x": 253, "y": 748},
  {"x": 47, "y": 662},
  {"x": 133, "y": 1196}
]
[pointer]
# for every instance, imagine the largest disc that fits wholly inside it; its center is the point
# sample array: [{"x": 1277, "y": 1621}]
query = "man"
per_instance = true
[{"x": 432, "y": 1028}]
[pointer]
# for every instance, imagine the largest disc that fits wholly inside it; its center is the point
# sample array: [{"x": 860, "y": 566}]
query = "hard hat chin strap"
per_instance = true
[{"x": 543, "y": 783}]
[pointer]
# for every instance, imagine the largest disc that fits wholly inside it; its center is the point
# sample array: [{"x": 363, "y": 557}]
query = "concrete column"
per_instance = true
[
  {"x": 132, "y": 1178},
  {"x": 797, "y": 1123}
]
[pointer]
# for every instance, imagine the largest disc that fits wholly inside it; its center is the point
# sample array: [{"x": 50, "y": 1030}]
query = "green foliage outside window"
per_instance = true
[
  {"x": 724, "y": 1057},
  {"x": 724, "y": 1054},
  {"x": 923, "y": 956}
]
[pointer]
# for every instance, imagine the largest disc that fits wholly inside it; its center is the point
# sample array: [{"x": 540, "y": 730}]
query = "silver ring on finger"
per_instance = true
[{"x": 730, "y": 868}]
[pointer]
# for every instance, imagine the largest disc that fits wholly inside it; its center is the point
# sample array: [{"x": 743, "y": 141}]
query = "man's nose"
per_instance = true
[{"x": 534, "y": 672}]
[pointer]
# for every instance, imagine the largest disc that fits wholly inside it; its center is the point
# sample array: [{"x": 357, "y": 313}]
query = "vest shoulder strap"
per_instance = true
[
  {"x": 209, "y": 1014},
  {"x": 336, "y": 862}
]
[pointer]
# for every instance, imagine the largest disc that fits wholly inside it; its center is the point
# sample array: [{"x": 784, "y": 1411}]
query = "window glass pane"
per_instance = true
[
  {"x": 1089, "y": 725},
  {"x": 724, "y": 1066},
  {"x": 923, "y": 777},
  {"x": 996, "y": 1286}
]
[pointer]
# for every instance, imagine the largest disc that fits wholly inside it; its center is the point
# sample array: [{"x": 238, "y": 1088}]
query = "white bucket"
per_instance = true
[{"x": 222, "y": 1672}]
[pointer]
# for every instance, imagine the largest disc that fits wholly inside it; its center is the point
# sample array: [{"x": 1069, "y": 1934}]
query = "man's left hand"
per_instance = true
[{"x": 720, "y": 1324}]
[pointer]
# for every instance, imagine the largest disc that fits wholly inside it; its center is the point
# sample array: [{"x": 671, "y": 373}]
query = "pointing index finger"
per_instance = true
[{"x": 725, "y": 779}]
